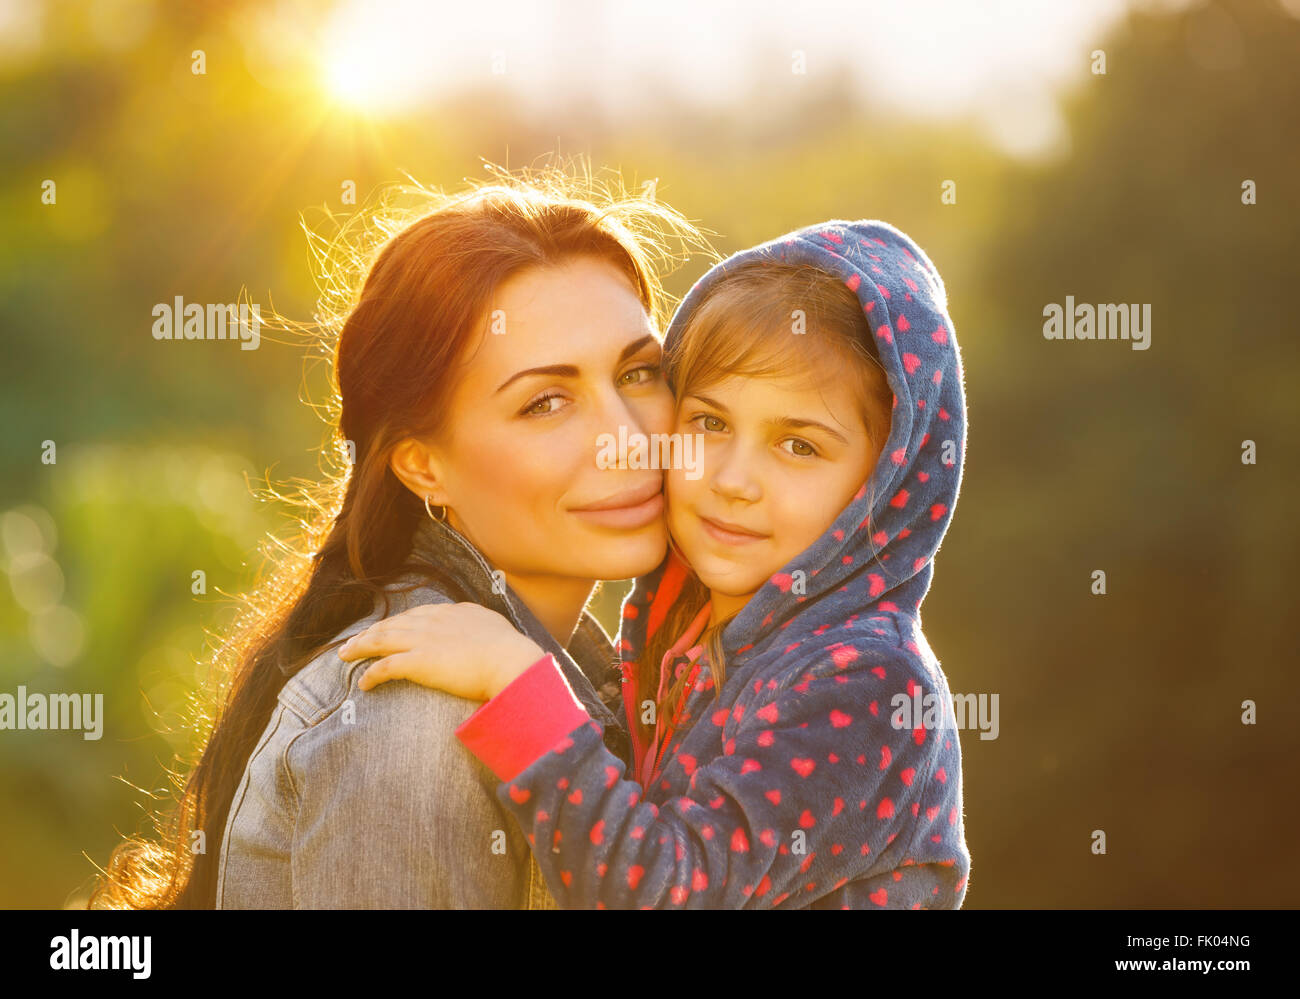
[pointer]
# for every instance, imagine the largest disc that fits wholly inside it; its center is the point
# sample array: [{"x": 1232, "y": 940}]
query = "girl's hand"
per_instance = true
[{"x": 464, "y": 649}]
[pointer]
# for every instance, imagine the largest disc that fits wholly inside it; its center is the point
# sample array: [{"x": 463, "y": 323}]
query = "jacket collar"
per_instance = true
[{"x": 589, "y": 663}]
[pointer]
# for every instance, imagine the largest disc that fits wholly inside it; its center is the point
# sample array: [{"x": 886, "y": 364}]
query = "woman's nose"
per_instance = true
[{"x": 622, "y": 419}]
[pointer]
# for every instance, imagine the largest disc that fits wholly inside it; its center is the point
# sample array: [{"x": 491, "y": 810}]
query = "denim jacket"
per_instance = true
[{"x": 367, "y": 800}]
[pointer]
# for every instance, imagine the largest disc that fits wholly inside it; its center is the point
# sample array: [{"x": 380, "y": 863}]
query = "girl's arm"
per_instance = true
[
  {"x": 465, "y": 649},
  {"x": 472, "y": 652},
  {"x": 814, "y": 788},
  {"x": 812, "y": 791}
]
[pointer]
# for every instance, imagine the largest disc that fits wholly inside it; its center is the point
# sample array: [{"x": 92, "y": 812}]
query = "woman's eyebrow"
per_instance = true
[
  {"x": 635, "y": 346},
  {"x": 562, "y": 370},
  {"x": 571, "y": 370}
]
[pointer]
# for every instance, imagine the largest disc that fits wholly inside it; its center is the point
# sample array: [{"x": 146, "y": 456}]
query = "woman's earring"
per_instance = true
[{"x": 436, "y": 520}]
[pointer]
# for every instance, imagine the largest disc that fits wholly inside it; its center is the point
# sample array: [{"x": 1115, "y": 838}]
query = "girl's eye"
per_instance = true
[
  {"x": 639, "y": 376},
  {"x": 709, "y": 423},
  {"x": 800, "y": 448},
  {"x": 542, "y": 406}
]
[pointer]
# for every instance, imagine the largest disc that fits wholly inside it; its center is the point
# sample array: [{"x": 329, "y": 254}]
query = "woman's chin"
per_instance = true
[{"x": 625, "y": 555}]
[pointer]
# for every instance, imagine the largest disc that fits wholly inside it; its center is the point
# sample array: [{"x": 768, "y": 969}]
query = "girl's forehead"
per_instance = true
[
  {"x": 773, "y": 368},
  {"x": 781, "y": 395}
]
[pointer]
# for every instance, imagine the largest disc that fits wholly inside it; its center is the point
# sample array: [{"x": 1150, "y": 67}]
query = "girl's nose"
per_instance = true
[{"x": 733, "y": 477}]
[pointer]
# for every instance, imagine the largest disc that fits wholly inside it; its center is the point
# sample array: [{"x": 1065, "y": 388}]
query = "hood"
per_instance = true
[{"x": 878, "y": 555}]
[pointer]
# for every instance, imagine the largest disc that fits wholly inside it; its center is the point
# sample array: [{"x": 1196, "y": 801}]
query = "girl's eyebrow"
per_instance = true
[
  {"x": 782, "y": 423},
  {"x": 571, "y": 370},
  {"x": 711, "y": 403},
  {"x": 793, "y": 423}
]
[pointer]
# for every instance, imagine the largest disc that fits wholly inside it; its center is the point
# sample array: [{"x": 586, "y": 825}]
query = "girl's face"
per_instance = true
[
  {"x": 782, "y": 457},
  {"x": 516, "y": 466}
]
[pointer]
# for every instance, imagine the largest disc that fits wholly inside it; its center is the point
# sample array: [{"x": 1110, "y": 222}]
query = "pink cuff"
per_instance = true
[{"x": 525, "y": 721}]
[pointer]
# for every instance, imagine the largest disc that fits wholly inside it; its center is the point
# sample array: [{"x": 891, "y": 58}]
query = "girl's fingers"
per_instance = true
[
  {"x": 373, "y": 675},
  {"x": 418, "y": 669},
  {"x": 401, "y": 666},
  {"x": 413, "y": 620},
  {"x": 377, "y": 641}
]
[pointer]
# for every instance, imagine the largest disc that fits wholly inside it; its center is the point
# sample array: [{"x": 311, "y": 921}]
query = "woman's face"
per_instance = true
[
  {"x": 781, "y": 458},
  {"x": 569, "y": 355}
]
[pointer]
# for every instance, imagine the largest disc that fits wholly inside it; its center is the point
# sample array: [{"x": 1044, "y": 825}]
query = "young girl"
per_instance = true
[{"x": 792, "y": 736}]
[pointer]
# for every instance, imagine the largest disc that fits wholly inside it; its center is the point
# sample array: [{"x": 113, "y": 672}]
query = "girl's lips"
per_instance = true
[
  {"x": 728, "y": 535},
  {"x": 636, "y": 514}
]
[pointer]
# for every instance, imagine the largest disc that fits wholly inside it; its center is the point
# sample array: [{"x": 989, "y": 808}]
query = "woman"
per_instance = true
[{"x": 477, "y": 326}]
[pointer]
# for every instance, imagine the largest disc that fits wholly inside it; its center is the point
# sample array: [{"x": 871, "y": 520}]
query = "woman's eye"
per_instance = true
[
  {"x": 641, "y": 375},
  {"x": 800, "y": 448},
  {"x": 542, "y": 406}
]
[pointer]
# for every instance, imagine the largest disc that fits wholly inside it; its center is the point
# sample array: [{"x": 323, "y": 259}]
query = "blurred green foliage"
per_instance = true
[{"x": 1119, "y": 712}]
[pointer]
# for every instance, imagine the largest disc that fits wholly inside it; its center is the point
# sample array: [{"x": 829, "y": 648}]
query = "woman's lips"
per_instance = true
[
  {"x": 729, "y": 534},
  {"x": 626, "y": 510}
]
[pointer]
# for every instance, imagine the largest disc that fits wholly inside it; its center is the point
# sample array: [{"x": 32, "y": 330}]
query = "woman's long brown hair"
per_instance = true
[
  {"x": 426, "y": 293},
  {"x": 743, "y": 328}
]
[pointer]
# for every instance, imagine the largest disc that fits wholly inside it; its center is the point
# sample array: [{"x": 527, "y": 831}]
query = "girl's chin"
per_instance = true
[{"x": 724, "y": 578}]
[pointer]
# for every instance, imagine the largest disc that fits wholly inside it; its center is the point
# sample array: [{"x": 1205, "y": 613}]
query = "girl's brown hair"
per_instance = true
[
  {"x": 766, "y": 316},
  {"x": 429, "y": 276}
]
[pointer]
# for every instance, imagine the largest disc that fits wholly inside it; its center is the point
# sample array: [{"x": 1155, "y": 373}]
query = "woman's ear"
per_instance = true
[{"x": 416, "y": 465}]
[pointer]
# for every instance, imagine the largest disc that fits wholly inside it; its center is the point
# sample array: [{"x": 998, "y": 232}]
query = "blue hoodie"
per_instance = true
[{"x": 804, "y": 783}]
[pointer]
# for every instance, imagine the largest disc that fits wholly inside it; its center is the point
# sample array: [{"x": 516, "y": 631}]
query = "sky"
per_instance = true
[{"x": 1003, "y": 64}]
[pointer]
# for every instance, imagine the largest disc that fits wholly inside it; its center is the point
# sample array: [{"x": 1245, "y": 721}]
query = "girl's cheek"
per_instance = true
[
  {"x": 677, "y": 486},
  {"x": 798, "y": 528}
]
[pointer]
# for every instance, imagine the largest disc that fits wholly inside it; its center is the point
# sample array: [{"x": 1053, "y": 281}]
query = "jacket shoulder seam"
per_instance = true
[{"x": 238, "y": 801}]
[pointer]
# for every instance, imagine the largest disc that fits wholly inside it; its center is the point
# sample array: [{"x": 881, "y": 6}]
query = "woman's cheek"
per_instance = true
[
  {"x": 508, "y": 479},
  {"x": 493, "y": 476}
]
